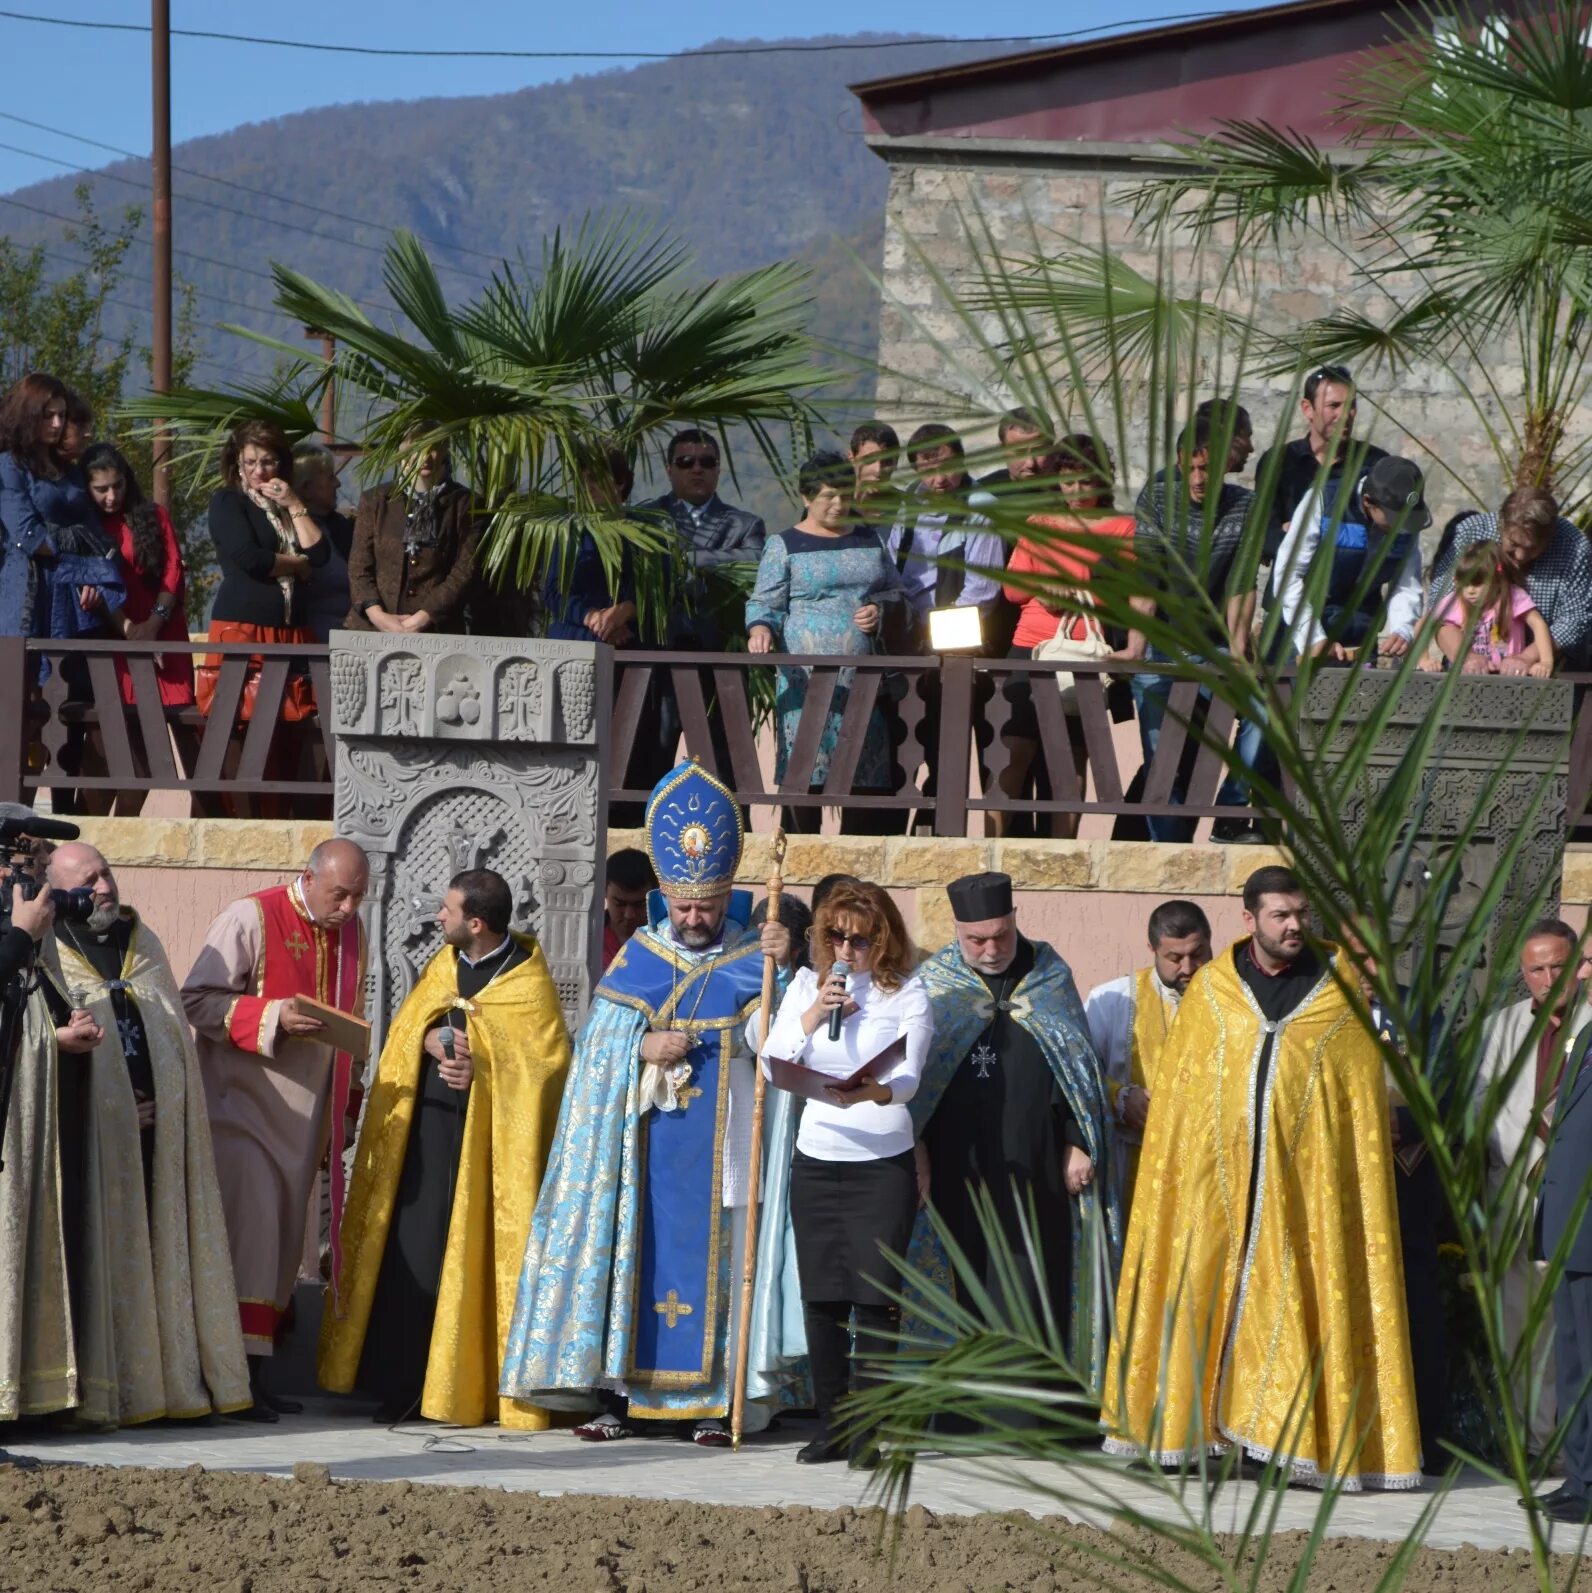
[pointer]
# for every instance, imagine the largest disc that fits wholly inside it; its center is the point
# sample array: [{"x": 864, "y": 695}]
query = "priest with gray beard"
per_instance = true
[{"x": 153, "y": 1326}]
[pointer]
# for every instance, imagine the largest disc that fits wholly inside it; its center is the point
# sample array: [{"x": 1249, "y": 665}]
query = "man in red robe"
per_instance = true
[{"x": 275, "y": 1090}]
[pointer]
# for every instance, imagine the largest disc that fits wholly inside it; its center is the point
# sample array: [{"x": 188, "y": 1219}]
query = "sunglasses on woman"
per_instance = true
[{"x": 857, "y": 942}]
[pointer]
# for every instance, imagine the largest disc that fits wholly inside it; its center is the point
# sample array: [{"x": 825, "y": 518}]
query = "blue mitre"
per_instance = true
[{"x": 694, "y": 833}]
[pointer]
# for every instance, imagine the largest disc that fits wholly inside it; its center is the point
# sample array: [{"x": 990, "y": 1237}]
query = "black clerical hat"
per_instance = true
[{"x": 976, "y": 898}]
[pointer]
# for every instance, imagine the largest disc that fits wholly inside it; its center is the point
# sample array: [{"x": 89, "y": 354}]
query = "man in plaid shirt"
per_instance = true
[{"x": 1550, "y": 557}]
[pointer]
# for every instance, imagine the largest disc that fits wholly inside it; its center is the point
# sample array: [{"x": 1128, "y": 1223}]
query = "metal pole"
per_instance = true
[{"x": 160, "y": 163}]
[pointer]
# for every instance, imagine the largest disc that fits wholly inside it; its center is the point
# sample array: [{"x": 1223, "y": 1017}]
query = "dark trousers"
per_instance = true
[
  {"x": 1420, "y": 1200},
  {"x": 836, "y": 1371},
  {"x": 1572, "y": 1348}
]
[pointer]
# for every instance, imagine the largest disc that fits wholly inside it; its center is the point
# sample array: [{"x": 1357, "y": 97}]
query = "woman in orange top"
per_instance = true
[{"x": 1054, "y": 571}]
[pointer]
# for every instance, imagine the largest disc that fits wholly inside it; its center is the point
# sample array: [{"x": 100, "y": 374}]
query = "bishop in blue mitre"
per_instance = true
[{"x": 628, "y": 1301}]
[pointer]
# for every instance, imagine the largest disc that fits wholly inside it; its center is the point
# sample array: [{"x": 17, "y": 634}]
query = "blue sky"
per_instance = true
[{"x": 97, "y": 83}]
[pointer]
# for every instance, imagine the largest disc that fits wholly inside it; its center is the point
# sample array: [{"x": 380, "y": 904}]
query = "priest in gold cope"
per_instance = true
[
  {"x": 1131, "y": 1017},
  {"x": 447, "y": 1171},
  {"x": 1261, "y": 1303}
]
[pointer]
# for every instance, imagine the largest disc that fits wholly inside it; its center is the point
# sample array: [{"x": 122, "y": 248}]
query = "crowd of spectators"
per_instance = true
[{"x": 895, "y": 540}]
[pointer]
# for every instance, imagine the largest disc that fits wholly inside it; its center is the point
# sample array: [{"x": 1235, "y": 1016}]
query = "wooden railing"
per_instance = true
[{"x": 77, "y": 736}]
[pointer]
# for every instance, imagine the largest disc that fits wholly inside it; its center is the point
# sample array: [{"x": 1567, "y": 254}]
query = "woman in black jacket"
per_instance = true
[
  {"x": 266, "y": 542},
  {"x": 266, "y": 539}
]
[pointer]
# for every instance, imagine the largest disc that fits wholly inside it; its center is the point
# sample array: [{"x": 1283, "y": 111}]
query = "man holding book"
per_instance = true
[{"x": 276, "y": 1083}]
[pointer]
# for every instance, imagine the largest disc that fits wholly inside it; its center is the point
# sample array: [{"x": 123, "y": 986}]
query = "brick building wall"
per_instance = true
[{"x": 942, "y": 206}]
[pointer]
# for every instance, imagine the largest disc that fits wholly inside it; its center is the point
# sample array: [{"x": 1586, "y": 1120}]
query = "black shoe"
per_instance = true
[
  {"x": 283, "y": 1407},
  {"x": 1230, "y": 831},
  {"x": 1572, "y": 1508},
  {"x": 257, "y": 1412},
  {"x": 819, "y": 1452}
]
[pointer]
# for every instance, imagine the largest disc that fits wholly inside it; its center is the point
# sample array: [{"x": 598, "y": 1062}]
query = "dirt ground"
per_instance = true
[{"x": 66, "y": 1528}]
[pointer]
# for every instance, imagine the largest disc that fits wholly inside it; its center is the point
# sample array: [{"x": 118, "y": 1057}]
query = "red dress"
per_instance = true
[{"x": 175, "y": 670}]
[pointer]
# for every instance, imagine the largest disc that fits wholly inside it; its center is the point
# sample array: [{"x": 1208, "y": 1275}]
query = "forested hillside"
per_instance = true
[{"x": 748, "y": 158}]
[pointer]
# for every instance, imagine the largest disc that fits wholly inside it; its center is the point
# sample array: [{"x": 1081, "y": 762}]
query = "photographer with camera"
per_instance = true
[
  {"x": 45, "y": 1197},
  {"x": 158, "y": 1245}
]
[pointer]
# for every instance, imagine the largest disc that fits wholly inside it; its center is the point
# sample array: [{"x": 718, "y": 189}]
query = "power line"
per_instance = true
[
  {"x": 187, "y": 254},
  {"x": 610, "y": 55},
  {"x": 247, "y": 188},
  {"x": 230, "y": 210},
  {"x": 133, "y": 276}
]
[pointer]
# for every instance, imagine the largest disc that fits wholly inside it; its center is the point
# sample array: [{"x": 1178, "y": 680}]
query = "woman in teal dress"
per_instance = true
[{"x": 823, "y": 587}]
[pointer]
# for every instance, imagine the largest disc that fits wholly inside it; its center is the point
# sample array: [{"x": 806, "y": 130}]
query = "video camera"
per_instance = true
[{"x": 18, "y": 823}]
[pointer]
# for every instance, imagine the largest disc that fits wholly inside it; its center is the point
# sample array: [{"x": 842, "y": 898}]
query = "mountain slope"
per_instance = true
[{"x": 749, "y": 159}]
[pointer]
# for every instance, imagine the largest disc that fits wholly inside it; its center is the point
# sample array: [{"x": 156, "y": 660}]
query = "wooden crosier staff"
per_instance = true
[{"x": 765, "y": 1014}]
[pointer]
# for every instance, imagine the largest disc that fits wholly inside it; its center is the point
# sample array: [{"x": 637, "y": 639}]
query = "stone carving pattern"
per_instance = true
[
  {"x": 577, "y": 701},
  {"x": 519, "y": 701},
  {"x": 1456, "y": 784},
  {"x": 400, "y": 695},
  {"x": 348, "y": 688},
  {"x": 462, "y": 810},
  {"x": 458, "y": 708}
]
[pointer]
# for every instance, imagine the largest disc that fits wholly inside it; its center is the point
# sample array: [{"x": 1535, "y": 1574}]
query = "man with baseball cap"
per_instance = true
[{"x": 1349, "y": 572}]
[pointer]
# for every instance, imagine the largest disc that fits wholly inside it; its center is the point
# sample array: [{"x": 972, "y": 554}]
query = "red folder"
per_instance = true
[{"x": 814, "y": 1085}]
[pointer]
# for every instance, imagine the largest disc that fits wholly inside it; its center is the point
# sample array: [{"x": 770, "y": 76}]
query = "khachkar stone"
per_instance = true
[
  {"x": 458, "y": 752},
  {"x": 1500, "y": 757}
]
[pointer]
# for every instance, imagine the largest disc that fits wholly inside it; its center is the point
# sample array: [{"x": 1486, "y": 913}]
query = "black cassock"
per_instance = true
[
  {"x": 1004, "y": 1122},
  {"x": 392, "y": 1364}
]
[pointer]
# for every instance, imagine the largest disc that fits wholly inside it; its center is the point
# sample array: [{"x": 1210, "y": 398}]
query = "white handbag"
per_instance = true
[{"x": 1063, "y": 648}]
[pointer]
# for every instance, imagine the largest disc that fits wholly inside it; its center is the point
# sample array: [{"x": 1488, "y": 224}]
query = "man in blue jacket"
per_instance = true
[{"x": 1566, "y": 1178}]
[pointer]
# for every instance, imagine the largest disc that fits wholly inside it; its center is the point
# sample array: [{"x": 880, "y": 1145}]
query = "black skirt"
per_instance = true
[{"x": 845, "y": 1215}]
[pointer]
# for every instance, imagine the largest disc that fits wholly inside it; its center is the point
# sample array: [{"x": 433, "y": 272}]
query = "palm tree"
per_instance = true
[
  {"x": 1467, "y": 168},
  {"x": 1350, "y": 816},
  {"x": 609, "y": 341}
]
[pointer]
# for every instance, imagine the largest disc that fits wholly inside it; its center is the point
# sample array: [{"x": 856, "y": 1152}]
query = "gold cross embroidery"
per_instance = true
[
  {"x": 671, "y": 1307},
  {"x": 297, "y": 944},
  {"x": 685, "y": 1097}
]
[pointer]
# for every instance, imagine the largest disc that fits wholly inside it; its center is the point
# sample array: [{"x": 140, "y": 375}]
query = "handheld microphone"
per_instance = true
[
  {"x": 447, "y": 1042},
  {"x": 837, "y": 1015}
]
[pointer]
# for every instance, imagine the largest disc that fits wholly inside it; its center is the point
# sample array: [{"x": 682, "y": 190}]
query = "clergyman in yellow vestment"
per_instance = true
[
  {"x": 1261, "y": 1301},
  {"x": 446, "y": 1173}
]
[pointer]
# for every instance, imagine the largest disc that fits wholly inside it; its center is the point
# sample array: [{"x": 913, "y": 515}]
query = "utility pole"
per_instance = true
[
  {"x": 329, "y": 392},
  {"x": 160, "y": 163}
]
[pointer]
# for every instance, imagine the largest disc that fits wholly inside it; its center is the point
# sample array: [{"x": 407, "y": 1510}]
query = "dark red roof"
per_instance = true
[{"x": 1280, "y": 64}]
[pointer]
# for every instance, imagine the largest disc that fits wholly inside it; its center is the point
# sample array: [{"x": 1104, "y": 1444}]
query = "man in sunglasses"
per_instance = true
[{"x": 715, "y": 535}]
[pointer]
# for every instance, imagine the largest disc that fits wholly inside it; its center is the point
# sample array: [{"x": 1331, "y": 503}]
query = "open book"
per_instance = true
[{"x": 814, "y": 1083}]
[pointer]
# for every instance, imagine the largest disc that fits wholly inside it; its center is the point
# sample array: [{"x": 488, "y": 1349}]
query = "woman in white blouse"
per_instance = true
[{"x": 853, "y": 1191}]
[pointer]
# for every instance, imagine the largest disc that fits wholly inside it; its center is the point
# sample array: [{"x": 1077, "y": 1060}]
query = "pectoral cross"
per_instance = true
[
  {"x": 671, "y": 1307},
  {"x": 984, "y": 1059},
  {"x": 297, "y": 944},
  {"x": 131, "y": 1035}
]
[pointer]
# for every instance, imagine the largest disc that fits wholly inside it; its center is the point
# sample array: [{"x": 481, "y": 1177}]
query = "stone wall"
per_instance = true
[{"x": 946, "y": 210}]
